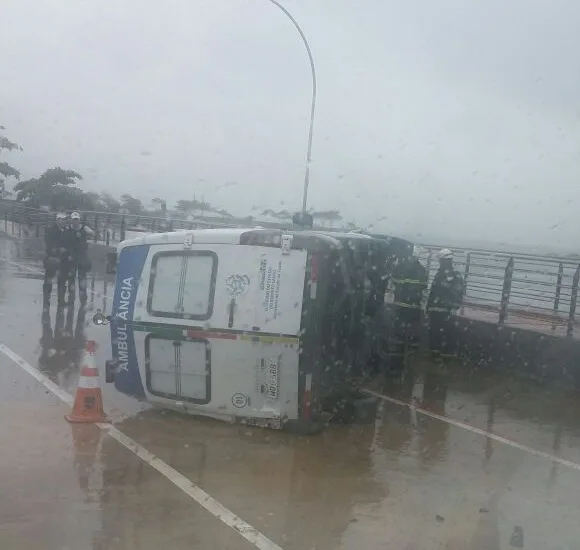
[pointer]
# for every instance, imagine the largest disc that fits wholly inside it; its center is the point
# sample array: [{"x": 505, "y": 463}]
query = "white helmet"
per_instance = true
[
  {"x": 75, "y": 216},
  {"x": 445, "y": 254}
]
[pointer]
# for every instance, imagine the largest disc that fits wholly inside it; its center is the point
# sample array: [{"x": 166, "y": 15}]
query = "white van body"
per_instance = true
[{"x": 205, "y": 325}]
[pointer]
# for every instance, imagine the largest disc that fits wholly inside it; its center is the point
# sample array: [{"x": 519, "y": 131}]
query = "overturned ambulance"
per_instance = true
[{"x": 260, "y": 326}]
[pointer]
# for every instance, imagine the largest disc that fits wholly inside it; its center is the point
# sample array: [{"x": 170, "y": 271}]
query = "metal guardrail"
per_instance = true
[
  {"x": 532, "y": 286},
  {"x": 529, "y": 286},
  {"x": 21, "y": 221}
]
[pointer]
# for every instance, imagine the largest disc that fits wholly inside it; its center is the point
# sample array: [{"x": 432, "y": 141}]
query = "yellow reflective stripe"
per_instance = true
[
  {"x": 408, "y": 281},
  {"x": 439, "y": 309},
  {"x": 408, "y": 306},
  {"x": 269, "y": 339}
]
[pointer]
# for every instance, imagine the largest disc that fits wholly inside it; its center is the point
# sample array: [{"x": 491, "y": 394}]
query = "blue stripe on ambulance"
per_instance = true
[{"x": 129, "y": 271}]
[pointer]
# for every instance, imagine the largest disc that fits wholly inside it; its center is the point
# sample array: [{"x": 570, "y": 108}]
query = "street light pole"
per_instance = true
[{"x": 312, "y": 107}]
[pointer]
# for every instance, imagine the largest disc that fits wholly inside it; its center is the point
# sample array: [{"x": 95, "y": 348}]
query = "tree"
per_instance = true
[
  {"x": 184, "y": 206},
  {"x": 7, "y": 171},
  {"x": 55, "y": 188},
  {"x": 131, "y": 204},
  {"x": 329, "y": 216},
  {"x": 159, "y": 204},
  {"x": 90, "y": 201},
  {"x": 223, "y": 212},
  {"x": 188, "y": 207},
  {"x": 282, "y": 215},
  {"x": 109, "y": 203}
]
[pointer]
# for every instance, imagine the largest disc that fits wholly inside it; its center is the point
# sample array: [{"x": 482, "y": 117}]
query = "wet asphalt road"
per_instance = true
[{"x": 408, "y": 481}]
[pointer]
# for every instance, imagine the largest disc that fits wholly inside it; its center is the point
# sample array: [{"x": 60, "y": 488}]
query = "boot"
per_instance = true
[
  {"x": 46, "y": 292},
  {"x": 61, "y": 297}
]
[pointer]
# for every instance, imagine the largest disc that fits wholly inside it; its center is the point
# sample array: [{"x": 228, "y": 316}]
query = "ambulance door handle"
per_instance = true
[{"x": 232, "y": 307}]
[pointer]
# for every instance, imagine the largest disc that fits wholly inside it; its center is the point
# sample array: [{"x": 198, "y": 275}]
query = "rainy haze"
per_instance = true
[{"x": 281, "y": 274}]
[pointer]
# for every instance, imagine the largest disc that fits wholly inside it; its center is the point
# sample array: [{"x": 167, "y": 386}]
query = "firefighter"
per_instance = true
[
  {"x": 410, "y": 281},
  {"x": 57, "y": 259},
  {"x": 444, "y": 300},
  {"x": 80, "y": 233}
]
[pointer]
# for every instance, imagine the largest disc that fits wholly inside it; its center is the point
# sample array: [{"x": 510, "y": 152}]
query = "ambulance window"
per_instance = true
[
  {"x": 178, "y": 369},
  {"x": 182, "y": 284}
]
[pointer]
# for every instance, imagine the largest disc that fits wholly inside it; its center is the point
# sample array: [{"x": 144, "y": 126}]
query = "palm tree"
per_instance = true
[{"x": 7, "y": 171}]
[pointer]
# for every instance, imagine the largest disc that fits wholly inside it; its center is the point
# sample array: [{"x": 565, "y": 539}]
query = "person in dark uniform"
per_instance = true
[
  {"x": 80, "y": 234},
  {"x": 444, "y": 299},
  {"x": 410, "y": 281},
  {"x": 57, "y": 259}
]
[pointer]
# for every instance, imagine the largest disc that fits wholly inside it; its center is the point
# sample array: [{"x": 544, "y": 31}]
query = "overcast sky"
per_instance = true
[{"x": 453, "y": 119}]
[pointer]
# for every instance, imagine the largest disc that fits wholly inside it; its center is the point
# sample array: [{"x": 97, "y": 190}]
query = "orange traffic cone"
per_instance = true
[{"x": 88, "y": 406}]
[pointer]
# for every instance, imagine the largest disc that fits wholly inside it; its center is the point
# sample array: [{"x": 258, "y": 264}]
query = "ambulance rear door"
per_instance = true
[{"x": 227, "y": 287}]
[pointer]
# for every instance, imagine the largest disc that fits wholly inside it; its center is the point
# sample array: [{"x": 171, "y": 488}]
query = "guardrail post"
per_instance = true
[
  {"x": 507, "y": 287},
  {"x": 96, "y": 227},
  {"x": 573, "y": 298},
  {"x": 122, "y": 230},
  {"x": 465, "y": 277},
  {"x": 558, "y": 291},
  {"x": 107, "y": 229},
  {"x": 6, "y": 222}
]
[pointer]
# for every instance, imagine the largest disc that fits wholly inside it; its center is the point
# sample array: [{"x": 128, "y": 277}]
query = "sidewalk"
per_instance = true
[{"x": 553, "y": 325}]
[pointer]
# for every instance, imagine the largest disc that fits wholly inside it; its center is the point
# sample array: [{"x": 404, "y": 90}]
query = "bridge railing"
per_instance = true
[
  {"x": 540, "y": 288},
  {"x": 534, "y": 287}
]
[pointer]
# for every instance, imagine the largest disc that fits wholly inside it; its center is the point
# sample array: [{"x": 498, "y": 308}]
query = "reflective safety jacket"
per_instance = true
[
  {"x": 410, "y": 280},
  {"x": 446, "y": 291}
]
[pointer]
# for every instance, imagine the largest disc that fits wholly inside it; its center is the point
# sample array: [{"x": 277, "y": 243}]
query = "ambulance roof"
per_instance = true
[
  {"x": 229, "y": 235},
  {"x": 235, "y": 235}
]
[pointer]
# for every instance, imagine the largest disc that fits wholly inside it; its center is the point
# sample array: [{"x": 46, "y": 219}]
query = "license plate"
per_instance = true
[
  {"x": 268, "y": 377},
  {"x": 272, "y": 379}
]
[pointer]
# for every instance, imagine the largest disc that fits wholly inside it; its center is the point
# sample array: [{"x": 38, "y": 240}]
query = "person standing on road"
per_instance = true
[
  {"x": 444, "y": 299},
  {"x": 80, "y": 234},
  {"x": 57, "y": 259},
  {"x": 410, "y": 281}
]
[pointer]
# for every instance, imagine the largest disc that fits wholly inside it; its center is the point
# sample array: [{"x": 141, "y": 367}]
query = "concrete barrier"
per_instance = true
[{"x": 537, "y": 355}]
